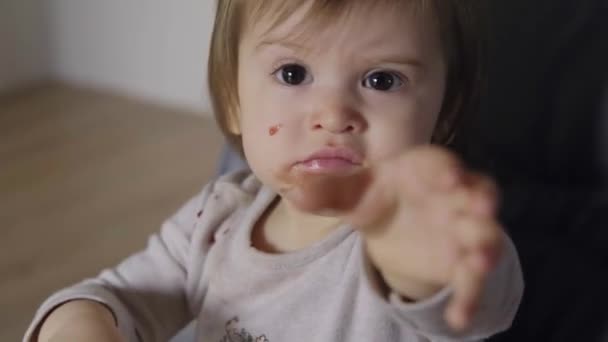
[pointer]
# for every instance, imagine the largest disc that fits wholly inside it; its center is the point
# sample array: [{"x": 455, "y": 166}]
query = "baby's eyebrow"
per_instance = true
[
  {"x": 283, "y": 43},
  {"x": 392, "y": 57},
  {"x": 397, "y": 59}
]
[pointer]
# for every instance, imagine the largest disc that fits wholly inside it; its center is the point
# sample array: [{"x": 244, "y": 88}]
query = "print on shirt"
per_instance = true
[{"x": 234, "y": 335}]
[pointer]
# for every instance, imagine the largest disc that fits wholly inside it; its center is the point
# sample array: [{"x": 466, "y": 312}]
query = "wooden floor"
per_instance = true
[{"x": 85, "y": 177}]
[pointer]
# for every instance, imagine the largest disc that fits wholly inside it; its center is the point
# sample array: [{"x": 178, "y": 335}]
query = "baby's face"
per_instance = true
[{"x": 366, "y": 88}]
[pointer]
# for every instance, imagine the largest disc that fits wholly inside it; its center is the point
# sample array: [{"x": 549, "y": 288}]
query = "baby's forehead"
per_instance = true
[{"x": 304, "y": 19}]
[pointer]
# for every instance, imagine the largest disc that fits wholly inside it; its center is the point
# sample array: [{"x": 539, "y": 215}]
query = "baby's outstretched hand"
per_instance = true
[{"x": 429, "y": 223}]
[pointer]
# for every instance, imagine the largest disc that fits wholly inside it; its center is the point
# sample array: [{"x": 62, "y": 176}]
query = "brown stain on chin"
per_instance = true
[
  {"x": 311, "y": 192},
  {"x": 272, "y": 131}
]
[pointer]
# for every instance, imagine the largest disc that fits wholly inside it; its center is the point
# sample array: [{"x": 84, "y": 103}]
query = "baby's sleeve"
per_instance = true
[
  {"x": 146, "y": 292},
  {"x": 499, "y": 303}
]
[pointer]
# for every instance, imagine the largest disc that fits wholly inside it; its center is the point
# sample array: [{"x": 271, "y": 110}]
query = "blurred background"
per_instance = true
[
  {"x": 105, "y": 130},
  {"x": 153, "y": 49}
]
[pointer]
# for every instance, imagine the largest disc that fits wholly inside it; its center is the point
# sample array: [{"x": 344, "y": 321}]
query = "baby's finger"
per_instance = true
[
  {"x": 418, "y": 174},
  {"x": 476, "y": 194},
  {"x": 484, "y": 194},
  {"x": 450, "y": 204},
  {"x": 467, "y": 285},
  {"x": 482, "y": 239},
  {"x": 377, "y": 203},
  {"x": 434, "y": 166}
]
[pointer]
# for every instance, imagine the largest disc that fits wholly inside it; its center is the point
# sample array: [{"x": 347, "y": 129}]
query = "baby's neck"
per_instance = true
[{"x": 283, "y": 229}]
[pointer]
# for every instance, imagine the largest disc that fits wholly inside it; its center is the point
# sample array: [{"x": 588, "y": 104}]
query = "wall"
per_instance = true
[
  {"x": 23, "y": 43},
  {"x": 153, "y": 49}
]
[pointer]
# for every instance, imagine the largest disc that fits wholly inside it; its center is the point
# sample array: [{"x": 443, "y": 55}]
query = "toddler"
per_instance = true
[{"x": 356, "y": 222}]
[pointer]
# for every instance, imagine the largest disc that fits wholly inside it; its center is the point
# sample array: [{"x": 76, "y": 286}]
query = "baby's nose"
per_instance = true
[{"x": 338, "y": 119}]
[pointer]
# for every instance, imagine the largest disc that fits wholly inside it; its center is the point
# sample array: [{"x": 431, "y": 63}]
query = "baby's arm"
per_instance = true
[
  {"x": 431, "y": 233},
  {"x": 144, "y": 297},
  {"x": 498, "y": 304},
  {"x": 80, "y": 320}
]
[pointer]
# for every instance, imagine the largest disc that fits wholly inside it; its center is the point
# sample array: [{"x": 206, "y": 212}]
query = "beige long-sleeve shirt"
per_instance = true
[{"x": 202, "y": 266}]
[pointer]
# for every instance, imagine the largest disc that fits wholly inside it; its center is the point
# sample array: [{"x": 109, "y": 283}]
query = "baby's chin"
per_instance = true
[{"x": 324, "y": 194}]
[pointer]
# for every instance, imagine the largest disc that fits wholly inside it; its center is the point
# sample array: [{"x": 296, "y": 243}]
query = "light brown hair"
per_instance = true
[{"x": 460, "y": 27}]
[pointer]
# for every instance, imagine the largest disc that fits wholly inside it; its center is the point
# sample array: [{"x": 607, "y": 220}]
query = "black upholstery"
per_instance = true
[{"x": 540, "y": 134}]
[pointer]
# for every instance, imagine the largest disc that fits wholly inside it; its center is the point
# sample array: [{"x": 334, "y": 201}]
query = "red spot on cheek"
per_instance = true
[{"x": 274, "y": 130}]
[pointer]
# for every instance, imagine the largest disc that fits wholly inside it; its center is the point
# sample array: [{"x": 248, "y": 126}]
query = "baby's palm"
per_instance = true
[{"x": 428, "y": 224}]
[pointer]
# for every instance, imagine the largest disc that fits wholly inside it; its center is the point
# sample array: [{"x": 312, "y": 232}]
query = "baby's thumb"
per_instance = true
[{"x": 376, "y": 204}]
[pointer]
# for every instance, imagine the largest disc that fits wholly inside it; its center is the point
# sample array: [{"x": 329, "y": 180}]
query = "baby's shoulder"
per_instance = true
[
  {"x": 239, "y": 187},
  {"x": 226, "y": 194}
]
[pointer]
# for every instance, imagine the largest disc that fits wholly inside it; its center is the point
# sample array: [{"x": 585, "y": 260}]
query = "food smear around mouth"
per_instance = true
[{"x": 331, "y": 192}]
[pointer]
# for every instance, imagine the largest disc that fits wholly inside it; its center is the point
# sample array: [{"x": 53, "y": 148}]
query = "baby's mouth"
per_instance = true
[
  {"x": 326, "y": 165},
  {"x": 330, "y": 160}
]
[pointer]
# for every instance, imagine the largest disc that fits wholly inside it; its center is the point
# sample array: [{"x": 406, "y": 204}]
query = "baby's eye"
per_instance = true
[
  {"x": 292, "y": 74},
  {"x": 383, "y": 81}
]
